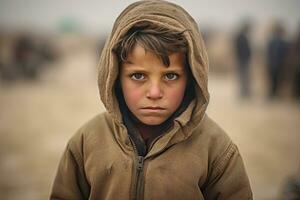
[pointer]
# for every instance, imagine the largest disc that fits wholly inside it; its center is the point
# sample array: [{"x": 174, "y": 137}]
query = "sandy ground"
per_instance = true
[{"x": 37, "y": 118}]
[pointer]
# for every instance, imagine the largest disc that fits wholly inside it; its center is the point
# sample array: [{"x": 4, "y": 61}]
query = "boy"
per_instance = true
[{"x": 155, "y": 140}]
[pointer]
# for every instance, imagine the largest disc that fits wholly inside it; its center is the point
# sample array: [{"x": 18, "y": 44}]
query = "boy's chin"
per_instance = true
[{"x": 152, "y": 121}]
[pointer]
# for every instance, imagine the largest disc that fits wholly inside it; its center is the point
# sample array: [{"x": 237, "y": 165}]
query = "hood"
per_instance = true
[{"x": 164, "y": 14}]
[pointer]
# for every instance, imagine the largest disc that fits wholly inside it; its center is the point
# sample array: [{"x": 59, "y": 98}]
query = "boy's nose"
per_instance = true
[{"x": 154, "y": 91}]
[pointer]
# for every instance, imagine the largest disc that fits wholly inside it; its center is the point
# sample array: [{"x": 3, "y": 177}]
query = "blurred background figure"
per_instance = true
[
  {"x": 243, "y": 56},
  {"x": 295, "y": 64},
  {"x": 276, "y": 58},
  {"x": 25, "y": 60},
  {"x": 22, "y": 56},
  {"x": 291, "y": 187}
]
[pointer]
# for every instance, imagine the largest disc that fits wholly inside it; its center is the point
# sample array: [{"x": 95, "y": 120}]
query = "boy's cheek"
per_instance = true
[
  {"x": 176, "y": 98},
  {"x": 132, "y": 95},
  {"x": 130, "y": 90},
  {"x": 177, "y": 92}
]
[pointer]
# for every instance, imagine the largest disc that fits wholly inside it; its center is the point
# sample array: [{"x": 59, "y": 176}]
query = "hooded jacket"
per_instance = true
[{"x": 194, "y": 159}]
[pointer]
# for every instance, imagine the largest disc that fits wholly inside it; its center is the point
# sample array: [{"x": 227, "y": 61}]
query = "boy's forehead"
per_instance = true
[
  {"x": 151, "y": 61},
  {"x": 137, "y": 52}
]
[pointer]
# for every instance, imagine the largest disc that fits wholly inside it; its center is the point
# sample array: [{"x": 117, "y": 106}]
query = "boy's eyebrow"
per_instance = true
[
  {"x": 166, "y": 70},
  {"x": 134, "y": 69},
  {"x": 127, "y": 62},
  {"x": 174, "y": 69}
]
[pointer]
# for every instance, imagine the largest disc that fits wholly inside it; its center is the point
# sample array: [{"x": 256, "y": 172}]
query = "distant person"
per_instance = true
[
  {"x": 291, "y": 187},
  {"x": 155, "y": 141},
  {"x": 295, "y": 62},
  {"x": 243, "y": 56},
  {"x": 276, "y": 56},
  {"x": 25, "y": 57}
]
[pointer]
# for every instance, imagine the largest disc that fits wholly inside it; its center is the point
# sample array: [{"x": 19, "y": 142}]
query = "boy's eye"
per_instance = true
[
  {"x": 137, "y": 76},
  {"x": 171, "y": 76}
]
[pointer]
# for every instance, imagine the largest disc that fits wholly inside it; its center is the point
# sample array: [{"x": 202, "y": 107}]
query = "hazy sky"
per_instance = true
[{"x": 97, "y": 15}]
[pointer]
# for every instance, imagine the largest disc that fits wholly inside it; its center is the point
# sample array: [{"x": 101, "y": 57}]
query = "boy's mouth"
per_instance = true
[{"x": 153, "y": 108}]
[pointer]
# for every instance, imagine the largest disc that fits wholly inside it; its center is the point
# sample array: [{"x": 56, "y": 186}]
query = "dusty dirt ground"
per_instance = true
[{"x": 37, "y": 118}]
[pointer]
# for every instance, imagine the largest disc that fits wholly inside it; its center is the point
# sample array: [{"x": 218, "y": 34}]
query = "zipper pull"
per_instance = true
[{"x": 140, "y": 163}]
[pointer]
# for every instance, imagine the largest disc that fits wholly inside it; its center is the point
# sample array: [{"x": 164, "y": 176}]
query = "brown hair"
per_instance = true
[{"x": 156, "y": 39}]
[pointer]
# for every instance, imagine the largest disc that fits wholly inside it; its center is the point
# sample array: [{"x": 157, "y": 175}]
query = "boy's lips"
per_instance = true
[{"x": 153, "y": 108}]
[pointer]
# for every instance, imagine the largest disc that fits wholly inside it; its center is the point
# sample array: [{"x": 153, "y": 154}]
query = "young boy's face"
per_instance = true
[{"x": 152, "y": 91}]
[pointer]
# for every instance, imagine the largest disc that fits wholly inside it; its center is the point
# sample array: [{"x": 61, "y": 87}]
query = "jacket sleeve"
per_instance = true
[
  {"x": 70, "y": 181},
  {"x": 228, "y": 179}
]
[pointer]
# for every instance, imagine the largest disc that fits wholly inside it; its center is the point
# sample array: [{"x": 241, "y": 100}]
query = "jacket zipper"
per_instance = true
[
  {"x": 138, "y": 184},
  {"x": 138, "y": 192},
  {"x": 139, "y": 178}
]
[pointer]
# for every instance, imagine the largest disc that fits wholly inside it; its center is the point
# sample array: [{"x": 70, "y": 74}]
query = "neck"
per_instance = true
[{"x": 148, "y": 131}]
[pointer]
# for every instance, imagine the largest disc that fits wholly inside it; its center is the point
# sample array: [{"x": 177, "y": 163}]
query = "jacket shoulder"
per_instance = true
[
  {"x": 225, "y": 165},
  {"x": 71, "y": 180},
  {"x": 210, "y": 130},
  {"x": 94, "y": 128},
  {"x": 220, "y": 147}
]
